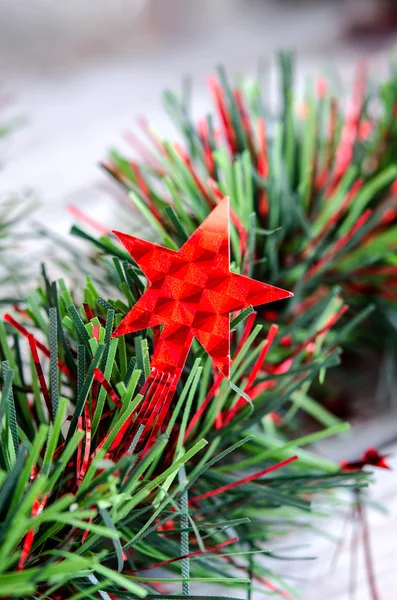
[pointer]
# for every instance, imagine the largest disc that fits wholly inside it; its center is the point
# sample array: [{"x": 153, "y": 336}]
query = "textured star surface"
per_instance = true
[{"x": 192, "y": 293}]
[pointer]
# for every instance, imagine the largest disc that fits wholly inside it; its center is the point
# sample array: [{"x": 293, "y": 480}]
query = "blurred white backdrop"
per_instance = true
[{"x": 81, "y": 71}]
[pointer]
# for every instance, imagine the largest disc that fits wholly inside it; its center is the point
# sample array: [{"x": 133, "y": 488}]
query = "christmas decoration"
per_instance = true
[
  {"x": 192, "y": 294},
  {"x": 86, "y": 504},
  {"x": 312, "y": 189},
  {"x": 126, "y": 445}
]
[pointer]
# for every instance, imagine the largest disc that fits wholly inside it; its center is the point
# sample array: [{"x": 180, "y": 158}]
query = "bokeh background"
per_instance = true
[{"x": 80, "y": 72}]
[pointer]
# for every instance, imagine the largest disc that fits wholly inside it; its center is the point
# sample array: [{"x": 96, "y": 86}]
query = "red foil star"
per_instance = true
[{"x": 192, "y": 293}]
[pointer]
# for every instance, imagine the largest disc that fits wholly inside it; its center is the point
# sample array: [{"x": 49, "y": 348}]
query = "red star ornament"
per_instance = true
[{"x": 192, "y": 293}]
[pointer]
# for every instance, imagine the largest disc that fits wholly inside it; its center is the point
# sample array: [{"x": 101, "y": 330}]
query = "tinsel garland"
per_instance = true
[
  {"x": 312, "y": 186},
  {"x": 83, "y": 509},
  {"x": 86, "y": 509}
]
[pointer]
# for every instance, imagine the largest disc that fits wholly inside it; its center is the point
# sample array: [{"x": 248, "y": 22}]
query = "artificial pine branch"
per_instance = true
[
  {"x": 86, "y": 511},
  {"x": 312, "y": 185}
]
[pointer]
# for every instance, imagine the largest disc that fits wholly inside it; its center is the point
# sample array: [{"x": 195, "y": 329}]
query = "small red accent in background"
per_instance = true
[{"x": 371, "y": 457}]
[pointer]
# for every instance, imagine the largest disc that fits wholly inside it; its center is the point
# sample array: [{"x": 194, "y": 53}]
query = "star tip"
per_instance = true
[{"x": 225, "y": 373}]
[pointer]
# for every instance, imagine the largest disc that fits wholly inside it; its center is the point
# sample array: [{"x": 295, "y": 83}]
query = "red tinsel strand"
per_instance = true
[
  {"x": 244, "y": 480},
  {"x": 310, "y": 301},
  {"x": 87, "y": 220},
  {"x": 263, "y": 168},
  {"x": 344, "y": 152},
  {"x": 190, "y": 555},
  {"x": 262, "y": 357},
  {"x": 253, "y": 375},
  {"x": 29, "y": 538},
  {"x": 87, "y": 446},
  {"x": 168, "y": 393},
  {"x": 144, "y": 152},
  {"x": 100, "y": 378},
  {"x": 226, "y": 122},
  {"x": 79, "y": 447},
  {"x": 246, "y": 122},
  {"x": 150, "y": 408},
  {"x": 88, "y": 312},
  {"x": 145, "y": 191},
  {"x": 95, "y": 332},
  {"x": 62, "y": 367},
  {"x": 186, "y": 160},
  {"x": 329, "y": 324},
  {"x": 145, "y": 127},
  {"x": 357, "y": 185},
  {"x": 131, "y": 426},
  {"x": 40, "y": 374},
  {"x": 202, "y": 127},
  {"x": 338, "y": 245},
  {"x": 202, "y": 408}
]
